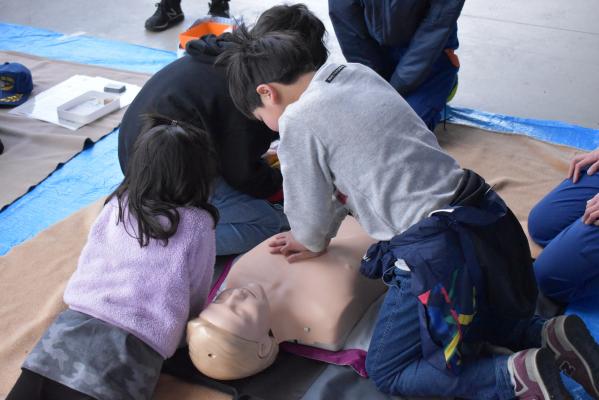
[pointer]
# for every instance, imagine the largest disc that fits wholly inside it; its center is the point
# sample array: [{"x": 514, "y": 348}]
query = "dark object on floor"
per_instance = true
[
  {"x": 289, "y": 378},
  {"x": 219, "y": 8},
  {"x": 167, "y": 14},
  {"x": 1, "y": 147},
  {"x": 115, "y": 88}
]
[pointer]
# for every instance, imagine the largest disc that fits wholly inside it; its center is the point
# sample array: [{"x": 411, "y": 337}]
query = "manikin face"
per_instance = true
[
  {"x": 243, "y": 312},
  {"x": 230, "y": 338}
]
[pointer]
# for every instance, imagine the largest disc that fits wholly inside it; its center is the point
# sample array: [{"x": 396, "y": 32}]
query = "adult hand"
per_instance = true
[
  {"x": 285, "y": 244},
  {"x": 581, "y": 161},
  {"x": 591, "y": 213}
]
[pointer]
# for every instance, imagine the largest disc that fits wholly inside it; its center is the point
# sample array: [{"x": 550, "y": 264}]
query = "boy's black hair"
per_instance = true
[
  {"x": 298, "y": 18},
  {"x": 173, "y": 165},
  {"x": 250, "y": 61}
]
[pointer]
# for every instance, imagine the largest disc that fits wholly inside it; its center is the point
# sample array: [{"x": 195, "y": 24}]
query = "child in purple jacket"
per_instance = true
[{"x": 145, "y": 269}]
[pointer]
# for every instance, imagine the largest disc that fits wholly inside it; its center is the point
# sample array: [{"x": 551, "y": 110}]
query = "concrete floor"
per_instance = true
[{"x": 534, "y": 58}]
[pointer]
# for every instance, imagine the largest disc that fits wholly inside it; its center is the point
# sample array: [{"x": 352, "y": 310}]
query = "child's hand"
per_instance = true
[
  {"x": 293, "y": 250},
  {"x": 591, "y": 214},
  {"x": 581, "y": 161}
]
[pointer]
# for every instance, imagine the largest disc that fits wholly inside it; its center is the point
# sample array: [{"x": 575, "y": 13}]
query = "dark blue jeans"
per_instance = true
[
  {"x": 430, "y": 97},
  {"x": 396, "y": 365},
  {"x": 245, "y": 221},
  {"x": 568, "y": 267}
]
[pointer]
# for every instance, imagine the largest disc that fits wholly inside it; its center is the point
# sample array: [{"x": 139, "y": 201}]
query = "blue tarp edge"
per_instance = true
[{"x": 555, "y": 132}]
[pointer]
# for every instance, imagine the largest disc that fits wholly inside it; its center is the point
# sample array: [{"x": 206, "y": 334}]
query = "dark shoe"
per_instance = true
[
  {"x": 219, "y": 8},
  {"x": 576, "y": 352},
  {"x": 536, "y": 376},
  {"x": 164, "y": 17}
]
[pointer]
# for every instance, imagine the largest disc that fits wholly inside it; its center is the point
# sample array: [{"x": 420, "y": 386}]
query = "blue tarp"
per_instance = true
[
  {"x": 95, "y": 171},
  {"x": 92, "y": 173},
  {"x": 83, "y": 49},
  {"x": 548, "y": 131}
]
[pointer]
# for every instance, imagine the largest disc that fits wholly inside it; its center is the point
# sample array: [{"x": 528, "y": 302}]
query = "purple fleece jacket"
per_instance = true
[{"x": 148, "y": 291}]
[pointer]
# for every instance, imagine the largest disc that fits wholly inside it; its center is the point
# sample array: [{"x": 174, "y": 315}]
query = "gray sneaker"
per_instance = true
[
  {"x": 576, "y": 352},
  {"x": 536, "y": 376}
]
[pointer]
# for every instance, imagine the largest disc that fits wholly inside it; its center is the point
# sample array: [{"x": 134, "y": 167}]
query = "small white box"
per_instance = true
[{"x": 89, "y": 106}]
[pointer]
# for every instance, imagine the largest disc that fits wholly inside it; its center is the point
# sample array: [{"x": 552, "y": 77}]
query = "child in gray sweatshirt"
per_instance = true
[{"x": 350, "y": 143}]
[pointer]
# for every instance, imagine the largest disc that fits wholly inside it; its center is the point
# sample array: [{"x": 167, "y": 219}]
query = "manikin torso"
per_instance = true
[{"x": 316, "y": 301}]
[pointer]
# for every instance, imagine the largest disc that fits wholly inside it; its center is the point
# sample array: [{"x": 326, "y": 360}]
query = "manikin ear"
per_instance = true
[
  {"x": 268, "y": 94},
  {"x": 266, "y": 347}
]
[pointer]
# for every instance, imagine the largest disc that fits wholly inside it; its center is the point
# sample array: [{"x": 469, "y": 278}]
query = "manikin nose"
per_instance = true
[{"x": 237, "y": 295}]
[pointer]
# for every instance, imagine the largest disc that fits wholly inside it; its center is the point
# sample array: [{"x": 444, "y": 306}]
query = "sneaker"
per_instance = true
[
  {"x": 219, "y": 8},
  {"x": 535, "y": 376},
  {"x": 576, "y": 352},
  {"x": 164, "y": 17}
]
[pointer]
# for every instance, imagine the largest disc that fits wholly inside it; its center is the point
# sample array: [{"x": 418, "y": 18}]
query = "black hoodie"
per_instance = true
[{"x": 193, "y": 90}]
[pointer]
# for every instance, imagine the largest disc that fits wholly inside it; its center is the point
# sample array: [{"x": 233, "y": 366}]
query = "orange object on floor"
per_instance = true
[{"x": 206, "y": 26}]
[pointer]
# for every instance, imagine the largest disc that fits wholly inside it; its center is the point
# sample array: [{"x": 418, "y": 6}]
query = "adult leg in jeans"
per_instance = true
[
  {"x": 429, "y": 98},
  {"x": 561, "y": 207},
  {"x": 568, "y": 268},
  {"x": 395, "y": 364},
  {"x": 245, "y": 221}
]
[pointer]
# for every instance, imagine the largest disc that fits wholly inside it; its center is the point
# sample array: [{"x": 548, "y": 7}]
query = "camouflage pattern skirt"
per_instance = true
[{"x": 95, "y": 358}]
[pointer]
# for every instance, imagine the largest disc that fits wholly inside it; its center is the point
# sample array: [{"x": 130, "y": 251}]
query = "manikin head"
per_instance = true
[{"x": 231, "y": 338}]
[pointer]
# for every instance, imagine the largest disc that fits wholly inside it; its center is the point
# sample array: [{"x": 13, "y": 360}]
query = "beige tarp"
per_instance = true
[
  {"x": 33, "y": 148},
  {"x": 33, "y": 275}
]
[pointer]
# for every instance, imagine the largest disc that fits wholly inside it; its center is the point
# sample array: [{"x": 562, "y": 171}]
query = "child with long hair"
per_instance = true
[{"x": 145, "y": 269}]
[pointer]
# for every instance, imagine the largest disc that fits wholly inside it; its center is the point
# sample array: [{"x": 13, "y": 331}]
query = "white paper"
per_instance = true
[{"x": 44, "y": 105}]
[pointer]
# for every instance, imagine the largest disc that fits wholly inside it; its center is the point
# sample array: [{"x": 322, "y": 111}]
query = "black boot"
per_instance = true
[
  {"x": 166, "y": 15},
  {"x": 219, "y": 8}
]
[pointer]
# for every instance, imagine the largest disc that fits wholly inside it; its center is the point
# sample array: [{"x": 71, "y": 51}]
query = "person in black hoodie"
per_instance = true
[{"x": 194, "y": 90}]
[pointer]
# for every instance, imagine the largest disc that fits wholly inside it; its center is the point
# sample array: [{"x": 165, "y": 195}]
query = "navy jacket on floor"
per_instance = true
[{"x": 472, "y": 257}]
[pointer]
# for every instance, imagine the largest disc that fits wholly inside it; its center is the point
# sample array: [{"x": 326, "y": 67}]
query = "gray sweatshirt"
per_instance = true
[{"x": 352, "y": 143}]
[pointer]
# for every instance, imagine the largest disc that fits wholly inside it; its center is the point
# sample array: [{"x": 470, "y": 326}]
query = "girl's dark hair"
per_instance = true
[
  {"x": 298, "y": 18},
  {"x": 251, "y": 60},
  {"x": 173, "y": 165}
]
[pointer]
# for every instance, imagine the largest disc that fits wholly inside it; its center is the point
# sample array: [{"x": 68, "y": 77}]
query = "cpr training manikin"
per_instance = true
[{"x": 267, "y": 301}]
